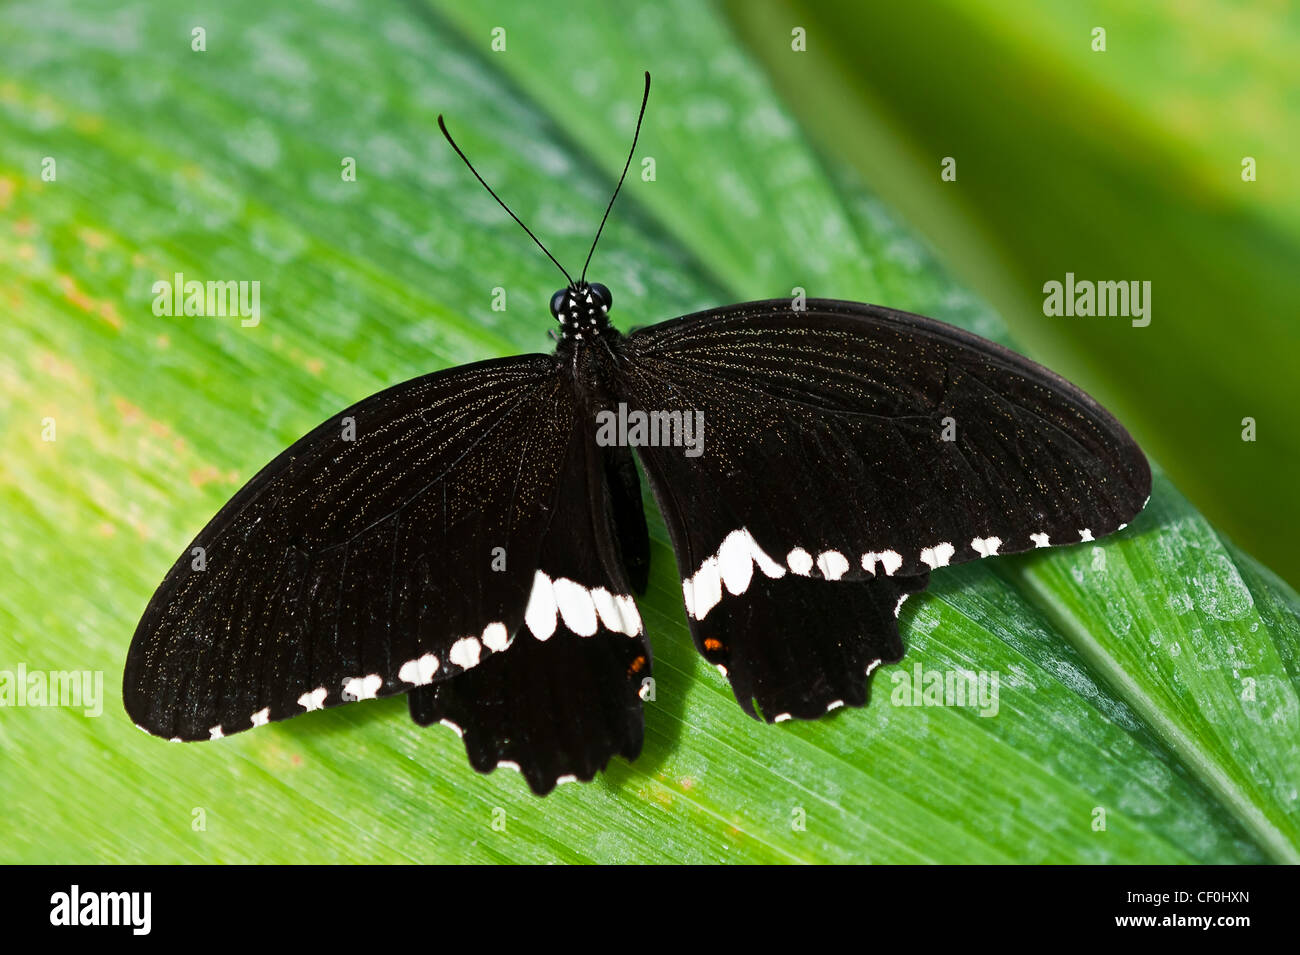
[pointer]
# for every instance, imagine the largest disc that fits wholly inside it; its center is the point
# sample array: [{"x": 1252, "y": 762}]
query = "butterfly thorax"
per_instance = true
[{"x": 583, "y": 313}]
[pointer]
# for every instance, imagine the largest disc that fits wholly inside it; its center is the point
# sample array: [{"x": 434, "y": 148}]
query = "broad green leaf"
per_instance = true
[{"x": 1148, "y": 681}]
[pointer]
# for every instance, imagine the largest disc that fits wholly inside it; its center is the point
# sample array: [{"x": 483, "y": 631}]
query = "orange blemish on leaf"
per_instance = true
[
  {"x": 142, "y": 529},
  {"x": 92, "y": 238},
  {"x": 108, "y": 312},
  {"x": 56, "y": 367},
  {"x": 128, "y": 412},
  {"x": 75, "y": 295},
  {"x": 133, "y": 417},
  {"x": 204, "y": 475}
]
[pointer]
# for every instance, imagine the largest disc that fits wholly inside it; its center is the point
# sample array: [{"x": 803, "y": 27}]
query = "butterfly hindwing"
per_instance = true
[
  {"x": 566, "y": 695},
  {"x": 864, "y": 446}
]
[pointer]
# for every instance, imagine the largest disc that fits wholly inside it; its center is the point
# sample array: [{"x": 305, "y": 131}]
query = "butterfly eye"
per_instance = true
[
  {"x": 558, "y": 300},
  {"x": 603, "y": 293}
]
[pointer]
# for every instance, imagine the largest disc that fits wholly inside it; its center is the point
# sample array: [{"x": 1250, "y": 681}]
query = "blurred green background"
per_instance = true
[{"x": 1151, "y": 682}]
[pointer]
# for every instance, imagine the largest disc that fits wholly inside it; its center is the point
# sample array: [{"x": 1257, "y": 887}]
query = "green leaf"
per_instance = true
[{"x": 1149, "y": 680}]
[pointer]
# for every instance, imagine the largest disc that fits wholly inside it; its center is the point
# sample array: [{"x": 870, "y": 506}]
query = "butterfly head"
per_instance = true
[{"x": 582, "y": 308}]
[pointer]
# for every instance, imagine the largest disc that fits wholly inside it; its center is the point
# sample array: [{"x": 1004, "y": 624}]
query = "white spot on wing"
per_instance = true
[
  {"x": 832, "y": 564},
  {"x": 262, "y": 716},
  {"x": 986, "y": 546},
  {"x": 607, "y": 607},
  {"x": 834, "y": 705},
  {"x": 540, "y": 615},
  {"x": 781, "y": 717},
  {"x": 938, "y": 555},
  {"x": 736, "y": 561},
  {"x": 1040, "y": 540},
  {"x": 731, "y": 567},
  {"x": 800, "y": 561},
  {"x": 766, "y": 564},
  {"x": 453, "y": 727},
  {"x": 315, "y": 700},
  {"x": 363, "y": 687},
  {"x": 576, "y": 606},
  {"x": 872, "y": 665},
  {"x": 495, "y": 637},
  {"x": 707, "y": 587},
  {"x": 419, "y": 671},
  {"x": 465, "y": 652},
  {"x": 1085, "y": 535},
  {"x": 891, "y": 560},
  {"x": 215, "y": 732},
  {"x": 631, "y": 618}
]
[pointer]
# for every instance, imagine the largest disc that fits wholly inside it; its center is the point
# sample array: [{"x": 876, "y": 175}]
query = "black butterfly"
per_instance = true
[{"x": 473, "y": 537}]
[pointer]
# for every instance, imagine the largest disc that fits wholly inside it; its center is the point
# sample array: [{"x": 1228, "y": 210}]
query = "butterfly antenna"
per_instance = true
[
  {"x": 465, "y": 159},
  {"x": 630, "y": 153}
]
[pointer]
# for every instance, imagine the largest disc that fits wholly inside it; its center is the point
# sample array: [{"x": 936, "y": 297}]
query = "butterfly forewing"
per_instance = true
[{"x": 393, "y": 546}]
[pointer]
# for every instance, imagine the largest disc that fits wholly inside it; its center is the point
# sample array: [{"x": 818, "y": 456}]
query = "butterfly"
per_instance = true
[{"x": 475, "y": 538}]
